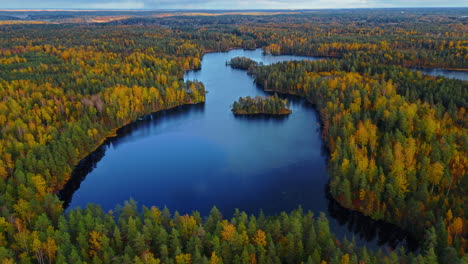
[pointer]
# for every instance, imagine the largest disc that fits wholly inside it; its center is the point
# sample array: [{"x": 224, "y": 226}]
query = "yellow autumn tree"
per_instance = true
[
  {"x": 40, "y": 185},
  {"x": 456, "y": 227},
  {"x": 95, "y": 243},
  {"x": 259, "y": 238},
  {"x": 215, "y": 259},
  {"x": 228, "y": 230},
  {"x": 184, "y": 259},
  {"x": 398, "y": 168},
  {"x": 344, "y": 259},
  {"x": 50, "y": 248},
  {"x": 435, "y": 171},
  {"x": 188, "y": 224}
]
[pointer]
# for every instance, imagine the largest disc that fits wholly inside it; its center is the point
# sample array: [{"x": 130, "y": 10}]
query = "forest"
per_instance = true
[
  {"x": 390, "y": 155},
  {"x": 397, "y": 139},
  {"x": 242, "y": 63},
  {"x": 272, "y": 105}
]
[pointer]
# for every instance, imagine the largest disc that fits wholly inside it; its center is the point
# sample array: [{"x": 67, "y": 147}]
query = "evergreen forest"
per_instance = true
[
  {"x": 261, "y": 105},
  {"x": 397, "y": 139}
]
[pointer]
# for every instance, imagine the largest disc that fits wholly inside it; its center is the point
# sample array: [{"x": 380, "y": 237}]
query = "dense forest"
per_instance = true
[
  {"x": 397, "y": 139},
  {"x": 272, "y": 105},
  {"x": 151, "y": 235},
  {"x": 393, "y": 157}
]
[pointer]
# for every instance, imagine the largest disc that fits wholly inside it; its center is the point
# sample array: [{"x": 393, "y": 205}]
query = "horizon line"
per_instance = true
[{"x": 214, "y": 9}]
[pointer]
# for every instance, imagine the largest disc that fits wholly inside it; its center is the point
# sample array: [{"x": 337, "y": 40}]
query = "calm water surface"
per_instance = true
[
  {"x": 452, "y": 74},
  {"x": 197, "y": 157}
]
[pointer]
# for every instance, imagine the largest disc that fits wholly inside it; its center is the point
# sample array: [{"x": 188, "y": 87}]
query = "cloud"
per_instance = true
[{"x": 225, "y": 4}]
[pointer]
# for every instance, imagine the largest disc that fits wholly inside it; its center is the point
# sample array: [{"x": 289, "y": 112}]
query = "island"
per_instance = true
[
  {"x": 242, "y": 63},
  {"x": 272, "y": 105}
]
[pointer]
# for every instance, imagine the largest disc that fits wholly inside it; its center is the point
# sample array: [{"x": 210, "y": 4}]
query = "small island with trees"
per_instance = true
[
  {"x": 272, "y": 105},
  {"x": 242, "y": 63}
]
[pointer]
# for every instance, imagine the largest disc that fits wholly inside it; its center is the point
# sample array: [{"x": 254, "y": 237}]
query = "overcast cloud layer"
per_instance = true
[{"x": 223, "y": 4}]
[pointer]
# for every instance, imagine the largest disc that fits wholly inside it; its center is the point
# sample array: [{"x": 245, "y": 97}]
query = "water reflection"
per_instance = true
[
  {"x": 262, "y": 117},
  {"x": 364, "y": 227},
  {"x": 84, "y": 167},
  {"x": 152, "y": 123},
  {"x": 140, "y": 128},
  {"x": 451, "y": 74}
]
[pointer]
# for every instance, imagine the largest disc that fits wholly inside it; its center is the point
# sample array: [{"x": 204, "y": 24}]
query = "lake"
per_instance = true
[
  {"x": 451, "y": 74},
  {"x": 196, "y": 157}
]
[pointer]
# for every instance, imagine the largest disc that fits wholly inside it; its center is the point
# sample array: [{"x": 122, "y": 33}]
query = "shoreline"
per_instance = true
[
  {"x": 440, "y": 68},
  {"x": 260, "y": 113},
  {"x": 112, "y": 134}
]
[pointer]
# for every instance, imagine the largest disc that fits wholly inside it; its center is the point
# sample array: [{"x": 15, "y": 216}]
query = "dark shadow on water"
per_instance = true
[
  {"x": 262, "y": 117},
  {"x": 84, "y": 167},
  {"x": 450, "y": 74},
  {"x": 88, "y": 164},
  {"x": 145, "y": 123},
  {"x": 385, "y": 234}
]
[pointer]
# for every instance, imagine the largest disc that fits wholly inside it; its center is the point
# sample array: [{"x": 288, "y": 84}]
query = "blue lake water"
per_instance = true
[
  {"x": 451, "y": 74},
  {"x": 196, "y": 157}
]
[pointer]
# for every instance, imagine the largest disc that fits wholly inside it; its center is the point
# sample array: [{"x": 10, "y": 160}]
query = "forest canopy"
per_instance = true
[
  {"x": 397, "y": 139},
  {"x": 242, "y": 63}
]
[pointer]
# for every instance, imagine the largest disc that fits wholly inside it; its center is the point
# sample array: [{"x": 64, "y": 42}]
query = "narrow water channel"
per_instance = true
[{"x": 451, "y": 74}]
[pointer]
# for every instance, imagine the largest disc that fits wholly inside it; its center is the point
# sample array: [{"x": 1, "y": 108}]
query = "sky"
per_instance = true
[{"x": 223, "y": 4}]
